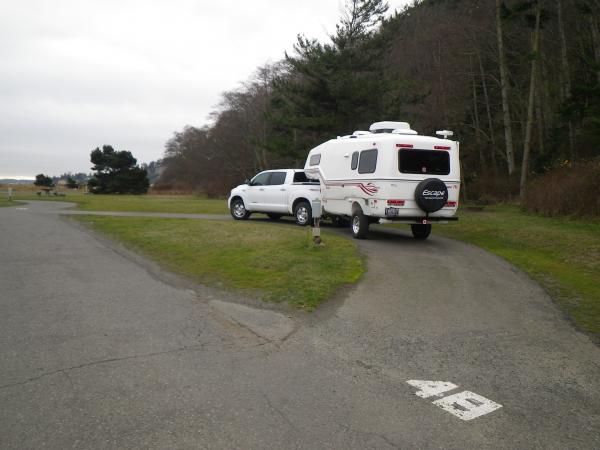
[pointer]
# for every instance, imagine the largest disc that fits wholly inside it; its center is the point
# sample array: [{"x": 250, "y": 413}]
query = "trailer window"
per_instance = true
[
  {"x": 315, "y": 159},
  {"x": 277, "y": 178},
  {"x": 354, "y": 163},
  {"x": 431, "y": 162},
  {"x": 368, "y": 161}
]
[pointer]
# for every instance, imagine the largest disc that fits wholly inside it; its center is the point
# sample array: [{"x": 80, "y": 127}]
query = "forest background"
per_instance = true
[{"x": 517, "y": 81}]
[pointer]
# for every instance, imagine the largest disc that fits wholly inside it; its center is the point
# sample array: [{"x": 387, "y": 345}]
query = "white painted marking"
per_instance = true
[
  {"x": 467, "y": 405},
  {"x": 22, "y": 209},
  {"x": 431, "y": 388}
]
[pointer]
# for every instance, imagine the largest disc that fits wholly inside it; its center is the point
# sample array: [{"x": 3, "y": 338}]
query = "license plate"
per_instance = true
[{"x": 392, "y": 212}]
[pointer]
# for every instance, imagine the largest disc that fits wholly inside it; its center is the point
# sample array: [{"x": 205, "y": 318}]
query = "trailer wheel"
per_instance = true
[
  {"x": 274, "y": 216},
  {"x": 421, "y": 232},
  {"x": 359, "y": 224},
  {"x": 238, "y": 210},
  {"x": 303, "y": 214}
]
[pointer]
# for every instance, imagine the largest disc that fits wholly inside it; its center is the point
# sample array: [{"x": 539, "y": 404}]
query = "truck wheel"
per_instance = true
[
  {"x": 238, "y": 210},
  {"x": 303, "y": 214},
  {"x": 360, "y": 224},
  {"x": 274, "y": 216},
  {"x": 420, "y": 231}
]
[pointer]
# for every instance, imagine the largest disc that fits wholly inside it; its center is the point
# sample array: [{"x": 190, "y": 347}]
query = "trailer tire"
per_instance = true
[
  {"x": 359, "y": 224},
  {"x": 431, "y": 195},
  {"x": 420, "y": 232},
  {"x": 302, "y": 214}
]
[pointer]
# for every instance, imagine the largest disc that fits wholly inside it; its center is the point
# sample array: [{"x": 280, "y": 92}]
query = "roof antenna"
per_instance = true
[{"x": 445, "y": 133}]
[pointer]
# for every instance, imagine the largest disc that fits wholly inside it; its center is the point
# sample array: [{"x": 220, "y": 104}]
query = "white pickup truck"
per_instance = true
[{"x": 276, "y": 193}]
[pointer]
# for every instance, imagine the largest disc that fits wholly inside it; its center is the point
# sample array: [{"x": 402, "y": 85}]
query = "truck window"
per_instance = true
[
  {"x": 261, "y": 179},
  {"x": 354, "y": 163},
  {"x": 368, "y": 161},
  {"x": 277, "y": 178},
  {"x": 430, "y": 162},
  {"x": 300, "y": 177},
  {"x": 315, "y": 159}
]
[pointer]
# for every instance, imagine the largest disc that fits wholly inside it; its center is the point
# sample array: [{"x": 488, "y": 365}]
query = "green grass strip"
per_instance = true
[
  {"x": 275, "y": 262},
  {"x": 187, "y": 204}
]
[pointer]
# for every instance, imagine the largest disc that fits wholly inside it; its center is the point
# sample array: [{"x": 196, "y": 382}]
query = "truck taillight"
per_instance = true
[{"x": 396, "y": 202}]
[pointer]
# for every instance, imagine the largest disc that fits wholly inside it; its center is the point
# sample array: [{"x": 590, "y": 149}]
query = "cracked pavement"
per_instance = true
[{"x": 101, "y": 349}]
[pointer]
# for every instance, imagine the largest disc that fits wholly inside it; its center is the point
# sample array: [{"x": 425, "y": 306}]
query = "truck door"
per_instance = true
[
  {"x": 276, "y": 192},
  {"x": 256, "y": 191}
]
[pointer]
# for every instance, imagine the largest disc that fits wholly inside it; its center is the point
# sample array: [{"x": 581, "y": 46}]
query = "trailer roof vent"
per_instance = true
[
  {"x": 389, "y": 127},
  {"x": 403, "y": 131}
]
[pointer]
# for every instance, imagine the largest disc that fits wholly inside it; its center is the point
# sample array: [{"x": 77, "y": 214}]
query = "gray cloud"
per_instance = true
[{"x": 79, "y": 74}]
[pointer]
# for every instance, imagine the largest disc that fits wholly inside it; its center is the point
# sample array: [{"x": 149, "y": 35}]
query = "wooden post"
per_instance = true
[
  {"x": 316, "y": 231},
  {"x": 316, "y": 228}
]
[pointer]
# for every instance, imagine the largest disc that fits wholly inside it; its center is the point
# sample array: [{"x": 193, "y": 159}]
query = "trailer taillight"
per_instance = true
[
  {"x": 396, "y": 202},
  {"x": 451, "y": 204},
  {"x": 441, "y": 147},
  {"x": 404, "y": 145}
]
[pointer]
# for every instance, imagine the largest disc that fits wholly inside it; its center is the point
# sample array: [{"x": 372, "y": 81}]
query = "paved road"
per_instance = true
[{"x": 99, "y": 349}]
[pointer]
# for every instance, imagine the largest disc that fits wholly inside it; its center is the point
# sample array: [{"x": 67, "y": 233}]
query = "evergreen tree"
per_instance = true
[
  {"x": 336, "y": 87},
  {"x": 43, "y": 180},
  {"x": 116, "y": 173}
]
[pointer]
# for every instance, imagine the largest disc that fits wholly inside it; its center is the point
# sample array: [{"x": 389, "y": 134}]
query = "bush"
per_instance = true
[
  {"x": 569, "y": 190},
  {"x": 488, "y": 187}
]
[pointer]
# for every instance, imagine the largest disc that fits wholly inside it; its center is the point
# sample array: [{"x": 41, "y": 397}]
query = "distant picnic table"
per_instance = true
[{"x": 49, "y": 190}]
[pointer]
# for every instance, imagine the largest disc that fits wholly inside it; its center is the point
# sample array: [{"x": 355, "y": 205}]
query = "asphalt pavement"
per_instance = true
[{"x": 100, "y": 348}]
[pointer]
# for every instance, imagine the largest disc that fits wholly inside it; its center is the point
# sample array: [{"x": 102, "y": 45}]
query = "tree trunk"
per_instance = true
[
  {"x": 566, "y": 73},
  {"x": 531, "y": 100},
  {"x": 510, "y": 156},
  {"x": 596, "y": 40},
  {"x": 488, "y": 111},
  {"x": 478, "y": 142}
]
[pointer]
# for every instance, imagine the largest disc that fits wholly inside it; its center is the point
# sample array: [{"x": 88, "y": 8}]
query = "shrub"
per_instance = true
[
  {"x": 488, "y": 187},
  {"x": 569, "y": 190}
]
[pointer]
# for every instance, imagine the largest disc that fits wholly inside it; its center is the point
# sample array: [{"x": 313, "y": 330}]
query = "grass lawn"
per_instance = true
[
  {"x": 562, "y": 255},
  {"x": 188, "y": 204},
  {"x": 4, "y": 202},
  {"x": 273, "y": 261}
]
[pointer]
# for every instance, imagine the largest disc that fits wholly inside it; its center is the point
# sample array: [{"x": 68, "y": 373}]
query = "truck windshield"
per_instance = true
[{"x": 431, "y": 162}]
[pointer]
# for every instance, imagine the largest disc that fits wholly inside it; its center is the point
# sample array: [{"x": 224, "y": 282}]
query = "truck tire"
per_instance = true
[
  {"x": 431, "y": 195},
  {"x": 420, "y": 231},
  {"x": 238, "y": 210},
  {"x": 359, "y": 224},
  {"x": 274, "y": 216},
  {"x": 303, "y": 214}
]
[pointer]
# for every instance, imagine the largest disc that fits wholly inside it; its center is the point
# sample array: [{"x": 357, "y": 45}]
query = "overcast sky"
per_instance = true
[{"x": 75, "y": 75}]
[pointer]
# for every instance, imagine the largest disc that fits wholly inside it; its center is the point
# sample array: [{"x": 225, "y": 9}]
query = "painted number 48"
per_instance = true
[{"x": 465, "y": 405}]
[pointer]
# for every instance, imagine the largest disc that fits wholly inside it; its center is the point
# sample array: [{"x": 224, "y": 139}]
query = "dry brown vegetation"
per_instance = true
[{"x": 570, "y": 190}]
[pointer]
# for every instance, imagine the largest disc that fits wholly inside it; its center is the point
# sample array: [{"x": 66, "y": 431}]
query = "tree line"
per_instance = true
[{"x": 518, "y": 81}]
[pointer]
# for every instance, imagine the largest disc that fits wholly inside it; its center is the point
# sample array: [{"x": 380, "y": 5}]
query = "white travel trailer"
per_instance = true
[{"x": 389, "y": 172}]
